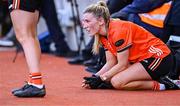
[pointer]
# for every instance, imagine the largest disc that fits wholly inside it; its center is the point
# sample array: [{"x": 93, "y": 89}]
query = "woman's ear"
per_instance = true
[{"x": 101, "y": 21}]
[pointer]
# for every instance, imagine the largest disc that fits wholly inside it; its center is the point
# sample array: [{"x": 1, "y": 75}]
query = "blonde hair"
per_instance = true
[{"x": 98, "y": 10}]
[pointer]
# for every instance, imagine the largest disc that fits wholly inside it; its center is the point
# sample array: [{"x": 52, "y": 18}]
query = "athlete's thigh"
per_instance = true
[
  {"x": 24, "y": 18},
  {"x": 24, "y": 12},
  {"x": 135, "y": 72}
]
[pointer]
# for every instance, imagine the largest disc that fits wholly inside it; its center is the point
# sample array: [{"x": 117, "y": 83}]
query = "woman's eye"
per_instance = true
[{"x": 87, "y": 21}]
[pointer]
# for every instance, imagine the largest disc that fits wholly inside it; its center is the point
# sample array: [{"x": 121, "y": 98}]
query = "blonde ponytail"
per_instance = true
[{"x": 101, "y": 3}]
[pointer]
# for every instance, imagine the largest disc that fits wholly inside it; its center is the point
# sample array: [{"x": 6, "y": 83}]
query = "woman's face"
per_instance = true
[{"x": 90, "y": 24}]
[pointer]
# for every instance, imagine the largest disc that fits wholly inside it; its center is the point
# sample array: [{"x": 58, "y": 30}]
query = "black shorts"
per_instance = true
[
  {"x": 157, "y": 67},
  {"x": 26, "y": 5}
]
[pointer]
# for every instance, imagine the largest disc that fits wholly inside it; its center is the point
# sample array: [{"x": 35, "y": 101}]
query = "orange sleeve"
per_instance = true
[
  {"x": 107, "y": 45},
  {"x": 122, "y": 38}
]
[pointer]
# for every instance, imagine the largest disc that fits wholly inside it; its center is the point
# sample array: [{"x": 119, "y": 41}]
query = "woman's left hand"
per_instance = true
[
  {"x": 91, "y": 82},
  {"x": 84, "y": 84}
]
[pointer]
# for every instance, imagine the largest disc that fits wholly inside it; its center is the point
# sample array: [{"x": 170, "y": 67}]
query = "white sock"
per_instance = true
[
  {"x": 162, "y": 87},
  {"x": 38, "y": 86},
  {"x": 29, "y": 83},
  {"x": 177, "y": 82}
]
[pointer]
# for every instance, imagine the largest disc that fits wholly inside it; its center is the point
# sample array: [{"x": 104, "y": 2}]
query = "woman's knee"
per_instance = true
[
  {"x": 117, "y": 83},
  {"x": 23, "y": 35}
]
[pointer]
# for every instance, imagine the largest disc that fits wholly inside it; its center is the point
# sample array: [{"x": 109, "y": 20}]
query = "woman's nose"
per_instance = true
[{"x": 83, "y": 24}]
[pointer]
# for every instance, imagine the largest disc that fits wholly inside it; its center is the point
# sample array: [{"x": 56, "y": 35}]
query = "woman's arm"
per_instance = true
[
  {"x": 111, "y": 60},
  {"x": 122, "y": 64}
]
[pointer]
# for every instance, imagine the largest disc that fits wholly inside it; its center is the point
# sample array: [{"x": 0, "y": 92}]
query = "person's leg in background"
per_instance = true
[
  {"x": 6, "y": 25},
  {"x": 85, "y": 55},
  {"x": 4, "y": 18},
  {"x": 173, "y": 32},
  {"x": 48, "y": 11},
  {"x": 100, "y": 61},
  {"x": 25, "y": 26}
]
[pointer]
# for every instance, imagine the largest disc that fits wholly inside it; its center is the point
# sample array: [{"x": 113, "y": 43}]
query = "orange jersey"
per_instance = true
[{"x": 142, "y": 44}]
